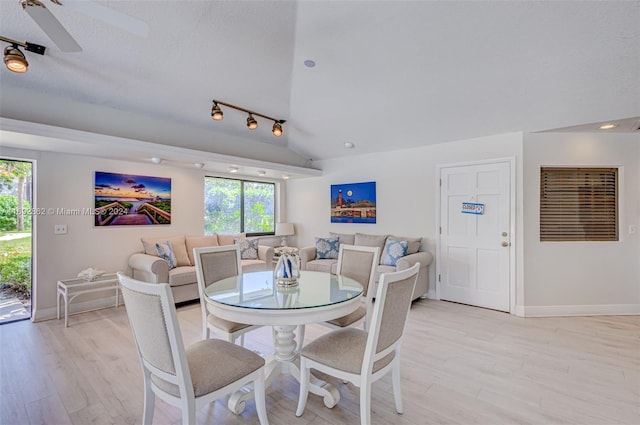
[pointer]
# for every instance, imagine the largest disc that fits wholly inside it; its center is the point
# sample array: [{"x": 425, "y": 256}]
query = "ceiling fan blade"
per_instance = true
[
  {"x": 109, "y": 16},
  {"x": 51, "y": 26}
]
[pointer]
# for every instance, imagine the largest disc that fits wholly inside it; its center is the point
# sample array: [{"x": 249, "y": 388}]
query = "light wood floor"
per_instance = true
[{"x": 461, "y": 365}]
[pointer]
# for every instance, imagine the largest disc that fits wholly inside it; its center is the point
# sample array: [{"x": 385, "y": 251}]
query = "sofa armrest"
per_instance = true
[
  {"x": 424, "y": 258},
  {"x": 306, "y": 254},
  {"x": 422, "y": 283},
  {"x": 149, "y": 268},
  {"x": 265, "y": 253}
]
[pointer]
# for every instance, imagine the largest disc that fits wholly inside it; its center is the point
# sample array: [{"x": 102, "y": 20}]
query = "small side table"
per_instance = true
[{"x": 68, "y": 289}]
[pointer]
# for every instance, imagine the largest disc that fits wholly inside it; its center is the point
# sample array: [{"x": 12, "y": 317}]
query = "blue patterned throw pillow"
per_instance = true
[
  {"x": 393, "y": 251},
  {"x": 327, "y": 248},
  {"x": 248, "y": 248},
  {"x": 165, "y": 252}
]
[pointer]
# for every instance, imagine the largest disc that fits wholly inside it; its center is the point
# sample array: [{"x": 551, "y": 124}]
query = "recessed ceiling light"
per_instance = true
[
  {"x": 349, "y": 145},
  {"x": 310, "y": 63},
  {"x": 262, "y": 173},
  {"x": 286, "y": 176},
  {"x": 198, "y": 165},
  {"x": 233, "y": 169},
  {"x": 607, "y": 126},
  {"x": 156, "y": 160}
]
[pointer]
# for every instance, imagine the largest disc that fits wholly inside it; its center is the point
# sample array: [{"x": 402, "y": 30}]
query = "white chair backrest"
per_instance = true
[
  {"x": 359, "y": 263},
  {"x": 215, "y": 263},
  {"x": 152, "y": 316},
  {"x": 389, "y": 316}
]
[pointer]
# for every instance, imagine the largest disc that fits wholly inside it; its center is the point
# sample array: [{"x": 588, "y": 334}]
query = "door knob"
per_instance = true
[
  {"x": 505, "y": 243},
  {"x": 504, "y": 234}
]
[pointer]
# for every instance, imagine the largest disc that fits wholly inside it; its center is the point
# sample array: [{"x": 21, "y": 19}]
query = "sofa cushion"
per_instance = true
[
  {"x": 345, "y": 238},
  {"x": 413, "y": 243},
  {"x": 362, "y": 239},
  {"x": 164, "y": 251},
  {"x": 182, "y": 276},
  {"x": 229, "y": 239},
  {"x": 199, "y": 242},
  {"x": 177, "y": 245},
  {"x": 248, "y": 248},
  {"x": 322, "y": 265},
  {"x": 327, "y": 248},
  {"x": 393, "y": 250}
]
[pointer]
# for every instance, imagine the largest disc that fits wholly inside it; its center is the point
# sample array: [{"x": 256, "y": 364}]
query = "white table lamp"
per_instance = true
[{"x": 284, "y": 230}]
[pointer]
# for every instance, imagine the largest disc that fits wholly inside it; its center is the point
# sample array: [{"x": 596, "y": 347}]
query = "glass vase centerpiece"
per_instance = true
[{"x": 287, "y": 269}]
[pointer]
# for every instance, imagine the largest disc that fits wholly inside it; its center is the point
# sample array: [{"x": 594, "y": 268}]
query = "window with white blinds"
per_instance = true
[{"x": 578, "y": 204}]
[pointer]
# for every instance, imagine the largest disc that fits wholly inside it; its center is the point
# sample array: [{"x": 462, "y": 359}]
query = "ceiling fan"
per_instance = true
[{"x": 61, "y": 37}]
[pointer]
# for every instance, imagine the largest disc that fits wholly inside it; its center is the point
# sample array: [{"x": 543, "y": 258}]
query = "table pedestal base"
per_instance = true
[{"x": 285, "y": 362}]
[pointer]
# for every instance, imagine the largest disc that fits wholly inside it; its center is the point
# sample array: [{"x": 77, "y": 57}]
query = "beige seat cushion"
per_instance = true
[
  {"x": 351, "y": 318},
  {"x": 177, "y": 245},
  {"x": 199, "y": 242},
  {"x": 225, "y": 325},
  {"x": 343, "y": 349},
  {"x": 185, "y": 275},
  {"x": 253, "y": 265},
  {"x": 214, "y": 364}
]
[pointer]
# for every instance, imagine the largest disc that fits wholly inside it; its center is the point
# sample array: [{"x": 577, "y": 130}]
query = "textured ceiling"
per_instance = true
[{"x": 389, "y": 75}]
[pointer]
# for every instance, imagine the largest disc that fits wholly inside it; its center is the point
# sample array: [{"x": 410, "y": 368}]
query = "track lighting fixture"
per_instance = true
[
  {"x": 14, "y": 59},
  {"x": 252, "y": 124}
]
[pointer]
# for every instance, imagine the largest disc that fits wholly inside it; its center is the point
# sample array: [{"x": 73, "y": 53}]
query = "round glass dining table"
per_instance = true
[{"x": 256, "y": 299}]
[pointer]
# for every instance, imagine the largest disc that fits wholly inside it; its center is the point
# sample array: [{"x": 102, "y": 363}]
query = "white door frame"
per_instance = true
[{"x": 512, "y": 223}]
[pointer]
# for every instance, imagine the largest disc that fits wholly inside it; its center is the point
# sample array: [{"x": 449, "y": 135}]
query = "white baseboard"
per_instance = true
[
  {"x": 51, "y": 313},
  {"x": 578, "y": 310}
]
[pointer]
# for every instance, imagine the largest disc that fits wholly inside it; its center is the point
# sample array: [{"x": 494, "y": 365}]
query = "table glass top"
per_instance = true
[{"x": 257, "y": 290}]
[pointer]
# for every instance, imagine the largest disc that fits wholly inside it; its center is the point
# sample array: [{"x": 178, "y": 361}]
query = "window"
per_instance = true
[
  {"x": 578, "y": 204},
  {"x": 238, "y": 206}
]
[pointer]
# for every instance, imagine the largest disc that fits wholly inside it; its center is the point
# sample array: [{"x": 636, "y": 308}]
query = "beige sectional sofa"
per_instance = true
[
  {"x": 309, "y": 260},
  {"x": 149, "y": 267}
]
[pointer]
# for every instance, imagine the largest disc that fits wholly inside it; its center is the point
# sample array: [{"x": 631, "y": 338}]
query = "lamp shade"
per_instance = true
[{"x": 284, "y": 229}]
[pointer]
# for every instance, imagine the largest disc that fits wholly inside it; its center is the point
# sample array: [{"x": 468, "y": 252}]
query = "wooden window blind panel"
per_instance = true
[{"x": 578, "y": 204}]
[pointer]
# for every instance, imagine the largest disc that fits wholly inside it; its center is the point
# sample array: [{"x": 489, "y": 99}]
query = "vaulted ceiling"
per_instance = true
[{"x": 388, "y": 74}]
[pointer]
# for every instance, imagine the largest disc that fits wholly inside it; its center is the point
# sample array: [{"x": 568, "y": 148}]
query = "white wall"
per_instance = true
[
  {"x": 582, "y": 277},
  {"x": 406, "y": 189},
  {"x": 66, "y": 182}
]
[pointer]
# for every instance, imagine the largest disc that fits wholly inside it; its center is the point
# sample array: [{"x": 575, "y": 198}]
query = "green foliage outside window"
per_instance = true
[{"x": 238, "y": 206}]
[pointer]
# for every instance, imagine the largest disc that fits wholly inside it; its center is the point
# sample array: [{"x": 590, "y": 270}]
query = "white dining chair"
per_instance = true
[
  {"x": 214, "y": 264},
  {"x": 362, "y": 357},
  {"x": 359, "y": 263},
  {"x": 186, "y": 378}
]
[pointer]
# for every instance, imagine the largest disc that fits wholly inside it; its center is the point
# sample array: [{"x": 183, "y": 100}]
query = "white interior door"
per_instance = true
[{"x": 475, "y": 239}]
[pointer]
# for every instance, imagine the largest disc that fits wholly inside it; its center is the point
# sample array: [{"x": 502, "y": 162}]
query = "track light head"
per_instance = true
[
  {"x": 251, "y": 122},
  {"x": 277, "y": 129},
  {"x": 14, "y": 59},
  {"x": 216, "y": 112}
]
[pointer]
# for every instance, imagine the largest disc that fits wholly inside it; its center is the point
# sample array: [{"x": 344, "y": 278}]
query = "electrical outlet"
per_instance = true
[{"x": 60, "y": 229}]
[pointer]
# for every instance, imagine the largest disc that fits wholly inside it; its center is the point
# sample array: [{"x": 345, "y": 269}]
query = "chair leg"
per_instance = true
[
  {"x": 259, "y": 394},
  {"x": 206, "y": 332},
  {"x": 395, "y": 379},
  {"x": 149, "y": 400},
  {"x": 365, "y": 403},
  {"x": 188, "y": 412},
  {"x": 304, "y": 386}
]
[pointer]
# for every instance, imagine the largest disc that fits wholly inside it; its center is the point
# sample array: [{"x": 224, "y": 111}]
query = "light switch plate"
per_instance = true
[{"x": 60, "y": 229}]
